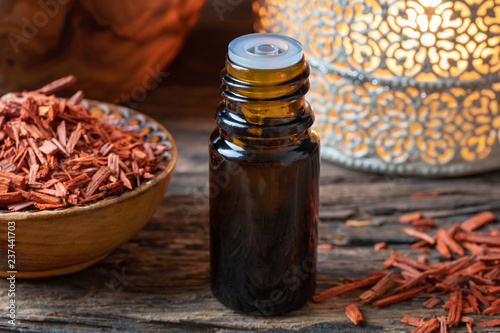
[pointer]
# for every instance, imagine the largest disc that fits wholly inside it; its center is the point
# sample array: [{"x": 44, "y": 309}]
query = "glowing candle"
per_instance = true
[{"x": 400, "y": 86}]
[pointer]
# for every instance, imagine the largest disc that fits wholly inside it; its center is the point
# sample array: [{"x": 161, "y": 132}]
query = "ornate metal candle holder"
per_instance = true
[{"x": 400, "y": 86}]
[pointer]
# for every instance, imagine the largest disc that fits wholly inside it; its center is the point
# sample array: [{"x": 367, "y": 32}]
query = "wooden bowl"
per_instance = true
[{"x": 57, "y": 242}]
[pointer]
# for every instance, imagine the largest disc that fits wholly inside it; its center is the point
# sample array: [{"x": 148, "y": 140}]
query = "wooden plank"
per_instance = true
[{"x": 160, "y": 279}]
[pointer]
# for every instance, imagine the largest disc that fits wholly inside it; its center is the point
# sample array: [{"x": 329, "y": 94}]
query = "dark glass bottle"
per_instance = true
[{"x": 264, "y": 170}]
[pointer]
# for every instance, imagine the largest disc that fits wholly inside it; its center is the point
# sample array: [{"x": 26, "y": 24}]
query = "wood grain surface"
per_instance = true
[{"x": 159, "y": 281}]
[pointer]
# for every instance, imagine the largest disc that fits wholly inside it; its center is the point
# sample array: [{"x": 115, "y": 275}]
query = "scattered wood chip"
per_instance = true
[
  {"x": 379, "y": 289},
  {"x": 467, "y": 280},
  {"x": 5, "y": 184},
  {"x": 432, "y": 302},
  {"x": 41, "y": 198},
  {"x": 48, "y": 148},
  {"x": 488, "y": 323},
  {"x": 412, "y": 321},
  {"x": 421, "y": 235},
  {"x": 424, "y": 222},
  {"x": 352, "y": 312},
  {"x": 325, "y": 246},
  {"x": 100, "y": 176},
  {"x": 114, "y": 165},
  {"x": 17, "y": 180},
  {"x": 478, "y": 238},
  {"x": 443, "y": 248},
  {"x": 400, "y": 296},
  {"x": 427, "y": 327},
  {"x": 20, "y": 205},
  {"x": 57, "y": 85},
  {"x": 61, "y": 133},
  {"x": 77, "y": 182},
  {"x": 455, "y": 309},
  {"x": 443, "y": 324},
  {"x": 342, "y": 289},
  {"x": 125, "y": 180},
  {"x": 356, "y": 223},
  {"x": 10, "y": 198},
  {"x": 478, "y": 221},
  {"x": 450, "y": 242},
  {"x": 407, "y": 218},
  {"x": 380, "y": 246}
]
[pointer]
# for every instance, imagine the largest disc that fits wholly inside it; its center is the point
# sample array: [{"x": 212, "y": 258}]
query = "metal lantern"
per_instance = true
[{"x": 410, "y": 87}]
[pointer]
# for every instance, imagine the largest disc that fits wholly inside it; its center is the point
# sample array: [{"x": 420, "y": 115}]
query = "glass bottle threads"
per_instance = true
[{"x": 264, "y": 170}]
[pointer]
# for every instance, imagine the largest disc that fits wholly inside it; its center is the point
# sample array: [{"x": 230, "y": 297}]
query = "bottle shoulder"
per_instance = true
[{"x": 308, "y": 147}]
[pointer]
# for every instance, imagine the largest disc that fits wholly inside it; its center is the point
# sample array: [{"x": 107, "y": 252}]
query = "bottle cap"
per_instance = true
[{"x": 265, "y": 51}]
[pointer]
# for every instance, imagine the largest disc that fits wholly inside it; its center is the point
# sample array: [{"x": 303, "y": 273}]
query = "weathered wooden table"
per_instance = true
[{"x": 159, "y": 281}]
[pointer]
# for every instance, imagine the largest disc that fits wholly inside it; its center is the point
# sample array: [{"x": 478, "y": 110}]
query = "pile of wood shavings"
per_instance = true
[
  {"x": 54, "y": 153},
  {"x": 470, "y": 284}
]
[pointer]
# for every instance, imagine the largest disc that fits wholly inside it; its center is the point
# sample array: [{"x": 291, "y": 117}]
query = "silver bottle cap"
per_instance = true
[{"x": 265, "y": 51}]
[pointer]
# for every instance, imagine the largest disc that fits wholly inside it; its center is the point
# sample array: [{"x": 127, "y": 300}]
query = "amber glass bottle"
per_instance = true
[{"x": 264, "y": 169}]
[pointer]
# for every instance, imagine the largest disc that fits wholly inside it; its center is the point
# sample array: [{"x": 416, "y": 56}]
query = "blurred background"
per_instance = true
[
  {"x": 399, "y": 87},
  {"x": 160, "y": 57}
]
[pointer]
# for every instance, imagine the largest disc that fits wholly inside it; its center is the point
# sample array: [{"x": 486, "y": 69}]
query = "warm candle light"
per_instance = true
[
  {"x": 430, "y": 3},
  {"x": 408, "y": 86}
]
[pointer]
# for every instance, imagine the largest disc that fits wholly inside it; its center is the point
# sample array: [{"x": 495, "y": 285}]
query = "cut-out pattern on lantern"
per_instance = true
[{"x": 400, "y": 86}]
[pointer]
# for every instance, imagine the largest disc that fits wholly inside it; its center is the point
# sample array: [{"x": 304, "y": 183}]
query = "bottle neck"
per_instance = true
[{"x": 264, "y": 107}]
